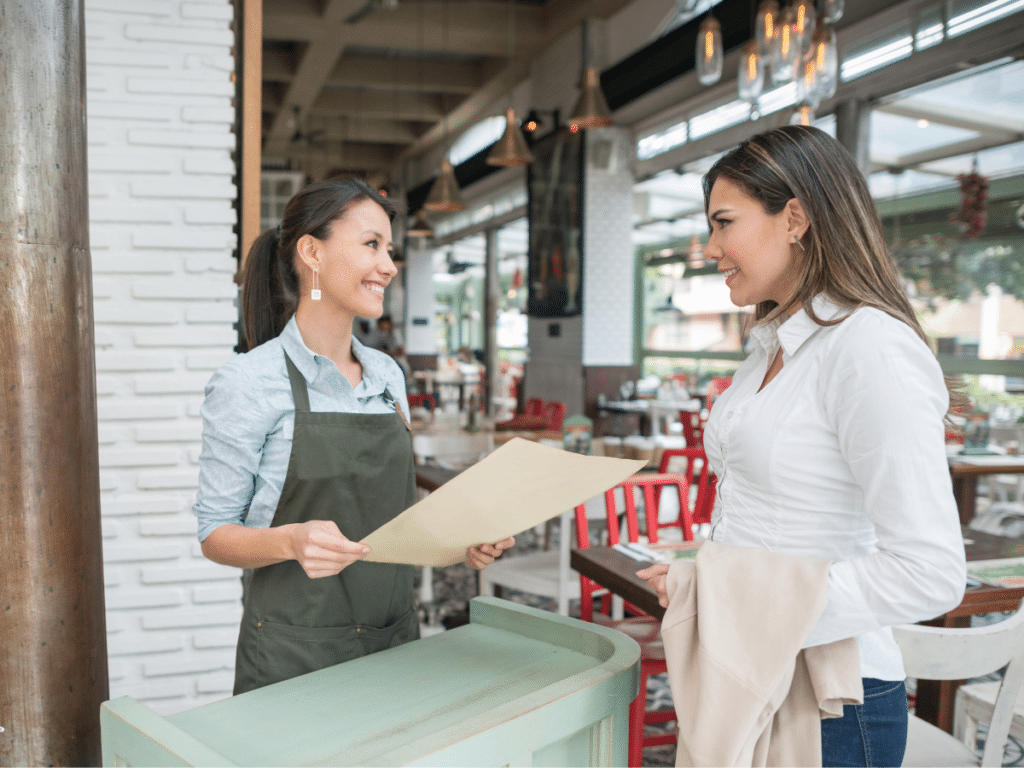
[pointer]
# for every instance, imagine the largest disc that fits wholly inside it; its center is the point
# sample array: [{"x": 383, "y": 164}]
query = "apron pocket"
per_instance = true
[
  {"x": 284, "y": 651},
  {"x": 373, "y": 639}
]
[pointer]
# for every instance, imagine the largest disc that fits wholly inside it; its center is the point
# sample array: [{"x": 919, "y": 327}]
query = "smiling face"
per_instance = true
[
  {"x": 354, "y": 263},
  {"x": 755, "y": 250}
]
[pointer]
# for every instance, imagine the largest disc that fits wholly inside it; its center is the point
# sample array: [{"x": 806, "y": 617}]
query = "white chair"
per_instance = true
[{"x": 937, "y": 653}]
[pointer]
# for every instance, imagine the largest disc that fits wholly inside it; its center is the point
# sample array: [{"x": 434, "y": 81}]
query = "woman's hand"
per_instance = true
[
  {"x": 482, "y": 556},
  {"x": 656, "y": 576},
  {"x": 322, "y": 549}
]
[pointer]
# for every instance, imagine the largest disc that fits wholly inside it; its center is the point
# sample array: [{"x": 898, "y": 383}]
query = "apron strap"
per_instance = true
[
  {"x": 299, "y": 392},
  {"x": 390, "y": 400}
]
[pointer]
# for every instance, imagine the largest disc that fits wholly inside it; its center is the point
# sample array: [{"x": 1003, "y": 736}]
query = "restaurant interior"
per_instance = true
[
  {"x": 546, "y": 159},
  {"x": 623, "y": 323}
]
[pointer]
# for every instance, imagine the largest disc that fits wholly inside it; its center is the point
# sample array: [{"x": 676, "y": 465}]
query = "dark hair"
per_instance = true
[
  {"x": 844, "y": 253},
  {"x": 270, "y": 284}
]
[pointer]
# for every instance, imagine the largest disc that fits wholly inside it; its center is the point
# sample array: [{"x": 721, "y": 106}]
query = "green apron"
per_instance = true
[{"x": 357, "y": 470}]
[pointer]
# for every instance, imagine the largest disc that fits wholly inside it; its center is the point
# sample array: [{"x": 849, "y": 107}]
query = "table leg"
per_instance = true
[{"x": 965, "y": 489}]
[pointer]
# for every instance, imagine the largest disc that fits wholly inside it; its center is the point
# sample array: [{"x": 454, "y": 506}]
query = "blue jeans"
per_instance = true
[{"x": 870, "y": 734}]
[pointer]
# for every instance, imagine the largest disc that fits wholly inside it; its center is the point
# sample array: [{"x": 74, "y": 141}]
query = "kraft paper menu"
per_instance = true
[{"x": 516, "y": 487}]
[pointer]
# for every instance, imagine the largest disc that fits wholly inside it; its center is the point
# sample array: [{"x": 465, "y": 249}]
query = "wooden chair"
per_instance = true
[
  {"x": 645, "y": 629},
  {"x": 938, "y": 653},
  {"x": 697, "y": 472}
]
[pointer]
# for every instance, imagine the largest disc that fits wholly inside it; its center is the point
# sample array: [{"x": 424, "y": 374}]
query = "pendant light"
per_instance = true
[
  {"x": 833, "y": 11},
  {"x": 785, "y": 49},
  {"x": 804, "y": 22},
  {"x": 750, "y": 76},
  {"x": 445, "y": 196},
  {"x": 709, "y": 51},
  {"x": 802, "y": 115},
  {"x": 420, "y": 226},
  {"x": 511, "y": 149},
  {"x": 764, "y": 31},
  {"x": 591, "y": 110},
  {"x": 826, "y": 61},
  {"x": 807, "y": 83}
]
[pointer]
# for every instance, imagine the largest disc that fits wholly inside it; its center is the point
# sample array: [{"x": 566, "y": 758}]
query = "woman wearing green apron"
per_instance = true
[{"x": 306, "y": 445}]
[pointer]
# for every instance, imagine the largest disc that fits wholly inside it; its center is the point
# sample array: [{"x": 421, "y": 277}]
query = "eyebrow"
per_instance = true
[{"x": 720, "y": 211}]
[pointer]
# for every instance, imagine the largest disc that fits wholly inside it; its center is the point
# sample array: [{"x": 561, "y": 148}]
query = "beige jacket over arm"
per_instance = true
[{"x": 744, "y": 692}]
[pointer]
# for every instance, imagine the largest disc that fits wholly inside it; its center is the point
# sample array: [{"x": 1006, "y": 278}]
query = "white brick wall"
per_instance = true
[{"x": 161, "y": 223}]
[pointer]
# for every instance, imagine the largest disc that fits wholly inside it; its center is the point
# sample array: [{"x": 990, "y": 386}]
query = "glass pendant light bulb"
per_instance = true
[
  {"x": 826, "y": 62},
  {"x": 785, "y": 49},
  {"x": 807, "y": 81},
  {"x": 709, "y": 51},
  {"x": 833, "y": 11},
  {"x": 764, "y": 29},
  {"x": 804, "y": 22},
  {"x": 750, "y": 75},
  {"x": 802, "y": 115}
]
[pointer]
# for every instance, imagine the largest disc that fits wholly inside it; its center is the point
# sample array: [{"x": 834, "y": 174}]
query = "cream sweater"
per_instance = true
[{"x": 745, "y": 694}]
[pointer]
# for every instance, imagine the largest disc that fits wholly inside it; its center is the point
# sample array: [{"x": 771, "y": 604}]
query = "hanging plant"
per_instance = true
[{"x": 970, "y": 219}]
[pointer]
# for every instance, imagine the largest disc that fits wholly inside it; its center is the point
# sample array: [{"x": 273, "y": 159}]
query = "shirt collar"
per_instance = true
[
  {"x": 793, "y": 331},
  {"x": 308, "y": 362}
]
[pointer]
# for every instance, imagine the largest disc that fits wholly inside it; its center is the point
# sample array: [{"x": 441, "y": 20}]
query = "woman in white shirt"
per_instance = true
[{"x": 830, "y": 443}]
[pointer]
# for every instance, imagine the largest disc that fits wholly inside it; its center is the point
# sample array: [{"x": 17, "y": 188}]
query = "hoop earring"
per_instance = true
[{"x": 315, "y": 293}]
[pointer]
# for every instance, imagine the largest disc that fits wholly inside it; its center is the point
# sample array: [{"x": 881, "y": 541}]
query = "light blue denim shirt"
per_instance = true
[{"x": 249, "y": 417}]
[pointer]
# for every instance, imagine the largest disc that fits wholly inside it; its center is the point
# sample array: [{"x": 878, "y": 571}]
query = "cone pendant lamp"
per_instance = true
[
  {"x": 591, "y": 111},
  {"x": 511, "y": 149},
  {"x": 445, "y": 196},
  {"x": 420, "y": 226}
]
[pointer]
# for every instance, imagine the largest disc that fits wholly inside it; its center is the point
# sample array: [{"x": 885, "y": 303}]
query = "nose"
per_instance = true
[
  {"x": 711, "y": 249},
  {"x": 387, "y": 265}
]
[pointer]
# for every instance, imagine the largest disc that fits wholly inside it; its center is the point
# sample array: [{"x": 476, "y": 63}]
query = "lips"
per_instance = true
[{"x": 730, "y": 272}]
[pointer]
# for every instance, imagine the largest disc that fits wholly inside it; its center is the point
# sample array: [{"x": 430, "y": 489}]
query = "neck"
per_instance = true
[{"x": 326, "y": 333}]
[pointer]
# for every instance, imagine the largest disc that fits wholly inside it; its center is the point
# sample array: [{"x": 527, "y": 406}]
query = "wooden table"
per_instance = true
[
  {"x": 430, "y": 477},
  {"x": 965, "y": 471},
  {"x": 935, "y": 699}
]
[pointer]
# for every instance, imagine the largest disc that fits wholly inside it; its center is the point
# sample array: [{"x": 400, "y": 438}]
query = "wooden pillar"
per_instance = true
[
  {"x": 250, "y": 43},
  {"x": 53, "y": 654}
]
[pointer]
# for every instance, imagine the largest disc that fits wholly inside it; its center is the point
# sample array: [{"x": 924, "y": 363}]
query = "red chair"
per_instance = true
[
  {"x": 645, "y": 629},
  {"x": 534, "y": 407},
  {"x": 717, "y": 386},
  {"x": 555, "y": 413},
  {"x": 423, "y": 401},
  {"x": 697, "y": 470},
  {"x": 693, "y": 428}
]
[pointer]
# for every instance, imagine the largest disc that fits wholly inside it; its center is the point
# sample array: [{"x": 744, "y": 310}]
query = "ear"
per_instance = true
[
  {"x": 308, "y": 249},
  {"x": 797, "y": 222}
]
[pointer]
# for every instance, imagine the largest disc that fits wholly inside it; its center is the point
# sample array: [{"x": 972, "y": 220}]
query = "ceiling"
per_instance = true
[{"x": 359, "y": 86}]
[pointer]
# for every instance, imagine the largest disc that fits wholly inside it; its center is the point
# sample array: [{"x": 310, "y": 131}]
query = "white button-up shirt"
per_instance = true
[{"x": 841, "y": 457}]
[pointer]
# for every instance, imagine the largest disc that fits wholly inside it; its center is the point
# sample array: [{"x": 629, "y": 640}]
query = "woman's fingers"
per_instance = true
[
  {"x": 656, "y": 579},
  {"x": 323, "y": 550},
  {"x": 482, "y": 556}
]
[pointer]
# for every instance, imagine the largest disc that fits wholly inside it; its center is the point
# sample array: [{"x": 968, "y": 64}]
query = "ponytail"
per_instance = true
[
  {"x": 270, "y": 289},
  {"x": 270, "y": 285}
]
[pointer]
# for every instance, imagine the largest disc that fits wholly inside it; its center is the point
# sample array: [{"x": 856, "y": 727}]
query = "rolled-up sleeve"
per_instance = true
[
  {"x": 886, "y": 398},
  {"x": 234, "y": 434}
]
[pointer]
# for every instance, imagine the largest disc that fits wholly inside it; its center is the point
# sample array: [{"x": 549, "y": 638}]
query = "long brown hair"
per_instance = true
[
  {"x": 270, "y": 285},
  {"x": 844, "y": 253}
]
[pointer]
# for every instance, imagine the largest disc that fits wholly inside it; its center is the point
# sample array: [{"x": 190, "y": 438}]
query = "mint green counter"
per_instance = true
[{"x": 516, "y": 686}]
